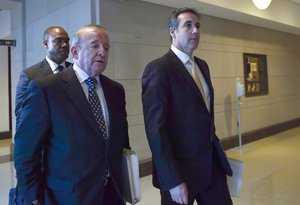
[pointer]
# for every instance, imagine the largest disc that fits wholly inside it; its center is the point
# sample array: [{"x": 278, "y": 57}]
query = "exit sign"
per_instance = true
[{"x": 4, "y": 42}]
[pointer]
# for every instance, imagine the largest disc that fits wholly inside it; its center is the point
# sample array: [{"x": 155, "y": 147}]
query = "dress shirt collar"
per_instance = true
[
  {"x": 81, "y": 75},
  {"x": 54, "y": 65},
  {"x": 181, "y": 55}
]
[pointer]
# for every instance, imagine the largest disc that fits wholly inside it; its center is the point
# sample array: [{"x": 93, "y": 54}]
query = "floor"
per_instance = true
[{"x": 271, "y": 173}]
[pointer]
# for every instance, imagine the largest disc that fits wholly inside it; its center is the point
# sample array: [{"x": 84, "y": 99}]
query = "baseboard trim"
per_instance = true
[
  {"x": 145, "y": 166},
  {"x": 5, "y": 135},
  {"x": 5, "y": 158},
  {"x": 233, "y": 141},
  {"x": 252, "y": 136}
]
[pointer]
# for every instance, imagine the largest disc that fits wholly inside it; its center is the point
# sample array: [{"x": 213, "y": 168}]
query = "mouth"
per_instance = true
[
  {"x": 64, "y": 51},
  {"x": 194, "y": 39},
  {"x": 99, "y": 61}
]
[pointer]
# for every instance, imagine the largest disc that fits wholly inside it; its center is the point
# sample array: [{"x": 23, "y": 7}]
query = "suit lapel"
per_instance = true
[
  {"x": 45, "y": 68},
  {"x": 77, "y": 97},
  {"x": 68, "y": 64},
  {"x": 181, "y": 70},
  {"x": 205, "y": 72},
  {"x": 110, "y": 101}
]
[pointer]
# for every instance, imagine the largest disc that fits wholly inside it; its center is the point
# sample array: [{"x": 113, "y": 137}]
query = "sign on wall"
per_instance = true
[{"x": 5, "y": 42}]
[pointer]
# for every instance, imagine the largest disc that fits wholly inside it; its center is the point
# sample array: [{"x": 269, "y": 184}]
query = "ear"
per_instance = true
[
  {"x": 45, "y": 43},
  {"x": 74, "y": 51},
  {"x": 172, "y": 33}
]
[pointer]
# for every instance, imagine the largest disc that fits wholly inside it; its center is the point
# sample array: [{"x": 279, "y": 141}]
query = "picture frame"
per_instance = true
[{"x": 255, "y": 74}]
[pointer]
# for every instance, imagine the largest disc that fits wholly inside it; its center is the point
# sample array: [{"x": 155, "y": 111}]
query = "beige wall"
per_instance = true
[
  {"x": 4, "y": 84},
  {"x": 138, "y": 34}
]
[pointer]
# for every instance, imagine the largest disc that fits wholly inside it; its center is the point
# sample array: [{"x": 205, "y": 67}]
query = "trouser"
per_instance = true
[
  {"x": 217, "y": 192},
  {"x": 111, "y": 196}
]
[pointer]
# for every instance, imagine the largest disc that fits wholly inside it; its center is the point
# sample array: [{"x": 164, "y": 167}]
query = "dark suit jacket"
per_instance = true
[
  {"x": 57, "y": 125},
  {"x": 38, "y": 70},
  {"x": 179, "y": 128}
]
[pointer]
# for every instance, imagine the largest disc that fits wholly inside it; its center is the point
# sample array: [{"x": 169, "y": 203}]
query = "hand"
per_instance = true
[
  {"x": 36, "y": 202},
  {"x": 179, "y": 194}
]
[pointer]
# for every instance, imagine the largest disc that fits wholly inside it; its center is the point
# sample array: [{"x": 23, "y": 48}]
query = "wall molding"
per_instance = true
[
  {"x": 233, "y": 141},
  {"x": 145, "y": 166},
  {"x": 5, "y": 135}
]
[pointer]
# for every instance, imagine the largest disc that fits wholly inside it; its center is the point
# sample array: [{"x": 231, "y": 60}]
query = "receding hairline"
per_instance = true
[{"x": 82, "y": 31}]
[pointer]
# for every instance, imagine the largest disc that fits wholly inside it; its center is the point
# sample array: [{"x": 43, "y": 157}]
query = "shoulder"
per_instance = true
[
  {"x": 38, "y": 70},
  {"x": 163, "y": 60},
  {"x": 106, "y": 81},
  {"x": 159, "y": 65},
  {"x": 68, "y": 64},
  {"x": 200, "y": 61},
  {"x": 38, "y": 65}
]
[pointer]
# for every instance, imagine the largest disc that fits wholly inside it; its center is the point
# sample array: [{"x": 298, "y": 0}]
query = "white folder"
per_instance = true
[
  {"x": 131, "y": 177},
  {"x": 235, "y": 181}
]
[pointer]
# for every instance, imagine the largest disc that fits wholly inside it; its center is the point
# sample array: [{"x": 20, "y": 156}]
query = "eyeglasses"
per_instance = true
[{"x": 61, "y": 41}]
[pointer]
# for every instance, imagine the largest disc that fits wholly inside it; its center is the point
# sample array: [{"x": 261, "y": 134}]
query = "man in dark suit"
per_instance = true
[
  {"x": 78, "y": 145},
  {"x": 56, "y": 42},
  {"x": 178, "y": 102}
]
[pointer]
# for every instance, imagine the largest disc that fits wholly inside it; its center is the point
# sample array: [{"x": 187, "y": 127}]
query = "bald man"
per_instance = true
[{"x": 56, "y": 43}]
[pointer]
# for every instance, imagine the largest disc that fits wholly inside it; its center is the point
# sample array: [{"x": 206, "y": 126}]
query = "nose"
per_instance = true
[
  {"x": 65, "y": 44},
  {"x": 101, "y": 51},
  {"x": 195, "y": 30}
]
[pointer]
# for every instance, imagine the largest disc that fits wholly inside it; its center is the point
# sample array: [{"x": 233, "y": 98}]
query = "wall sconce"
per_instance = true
[{"x": 262, "y": 4}]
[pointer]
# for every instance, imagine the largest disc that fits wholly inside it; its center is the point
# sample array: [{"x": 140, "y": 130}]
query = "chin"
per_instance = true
[{"x": 98, "y": 71}]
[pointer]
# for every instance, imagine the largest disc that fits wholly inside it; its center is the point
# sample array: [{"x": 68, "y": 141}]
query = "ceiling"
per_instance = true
[{"x": 282, "y": 15}]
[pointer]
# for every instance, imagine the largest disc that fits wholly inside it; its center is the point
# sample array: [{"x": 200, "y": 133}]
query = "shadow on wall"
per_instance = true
[{"x": 228, "y": 114}]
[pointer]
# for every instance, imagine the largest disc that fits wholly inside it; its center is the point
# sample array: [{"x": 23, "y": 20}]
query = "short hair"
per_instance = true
[
  {"x": 78, "y": 35},
  {"x": 173, "y": 21},
  {"x": 49, "y": 31}
]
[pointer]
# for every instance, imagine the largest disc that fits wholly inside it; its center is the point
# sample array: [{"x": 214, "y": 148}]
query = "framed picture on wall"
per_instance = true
[{"x": 255, "y": 74}]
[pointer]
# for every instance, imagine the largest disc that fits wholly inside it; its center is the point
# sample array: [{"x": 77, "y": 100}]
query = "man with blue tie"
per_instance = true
[
  {"x": 74, "y": 126},
  {"x": 56, "y": 43}
]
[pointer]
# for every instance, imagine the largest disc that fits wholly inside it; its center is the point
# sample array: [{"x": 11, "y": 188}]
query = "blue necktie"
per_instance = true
[
  {"x": 96, "y": 105},
  {"x": 59, "y": 68}
]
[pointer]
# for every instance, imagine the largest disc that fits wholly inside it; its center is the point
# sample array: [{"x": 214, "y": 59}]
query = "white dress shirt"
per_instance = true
[
  {"x": 184, "y": 58},
  {"x": 82, "y": 76},
  {"x": 54, "y": 65}
]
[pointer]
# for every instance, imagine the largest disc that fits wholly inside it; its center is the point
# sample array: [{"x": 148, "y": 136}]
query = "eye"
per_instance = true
[
  {"x": 189, "y": 25},
  {"x": 60, "y": 41},
  {"x": 94, "y": 46},
  {"x": 106, "y": 47}
]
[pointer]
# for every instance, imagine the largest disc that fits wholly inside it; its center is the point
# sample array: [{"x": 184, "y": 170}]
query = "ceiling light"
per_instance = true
[{"x": 262, "y": 4}]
